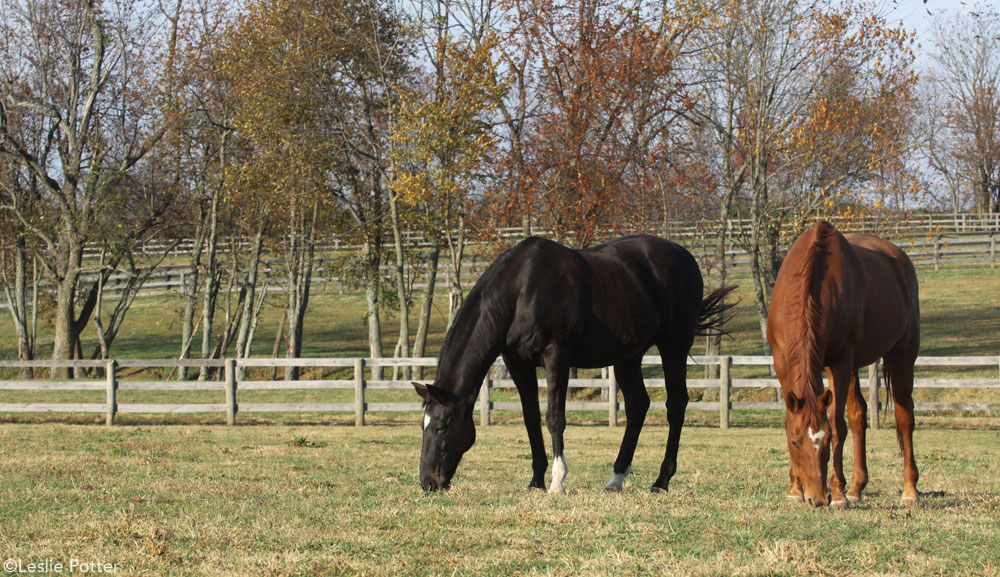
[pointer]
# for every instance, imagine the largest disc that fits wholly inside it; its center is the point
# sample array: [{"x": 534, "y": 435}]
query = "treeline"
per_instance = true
[{"x": 263, "y": 126}]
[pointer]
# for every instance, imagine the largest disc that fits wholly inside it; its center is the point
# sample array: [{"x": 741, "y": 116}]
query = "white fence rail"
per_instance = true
[{"x": 366, "y": 370}]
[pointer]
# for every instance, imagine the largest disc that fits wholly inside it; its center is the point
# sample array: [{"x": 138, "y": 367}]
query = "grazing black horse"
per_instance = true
[{"x": 542, "y": 304}]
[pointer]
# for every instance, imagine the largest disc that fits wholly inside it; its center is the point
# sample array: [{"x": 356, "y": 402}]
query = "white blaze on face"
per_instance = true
[
  {"x": 427, "y": 420},
  {"x": 816, "y": 437}
]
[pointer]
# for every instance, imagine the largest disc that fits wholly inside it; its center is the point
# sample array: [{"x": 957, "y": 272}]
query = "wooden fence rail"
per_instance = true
[
  {"x": 366, "y": 376},
  {"x": 935, "y": 250}
]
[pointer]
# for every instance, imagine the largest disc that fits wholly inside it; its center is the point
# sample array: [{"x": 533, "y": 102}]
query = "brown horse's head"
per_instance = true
[
  {"x": 449, "y": 431},
  {"x": 809, "y": 434}
]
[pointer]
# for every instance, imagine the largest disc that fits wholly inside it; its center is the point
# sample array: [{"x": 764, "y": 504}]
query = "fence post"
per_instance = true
[
  {"x": 359, "y": 392},
  {"x": 937, "y": 252},
  {"x": 231, "y": 407},
  {"x": 725, "y": 383},
  {"x": 484, "y": 402},
  {"x": 111, "y": 372},
  {"x": 993, "y": 250},
  {"x": 873, "y": 396},
  {"x": 612, "y": 398}
]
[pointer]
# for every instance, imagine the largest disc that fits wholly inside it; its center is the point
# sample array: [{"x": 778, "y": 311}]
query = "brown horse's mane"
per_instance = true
[{"x": 803, "y": 311}]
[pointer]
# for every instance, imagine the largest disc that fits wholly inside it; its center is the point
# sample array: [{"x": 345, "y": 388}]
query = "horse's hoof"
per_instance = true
[
  {"x": 612, "y": 489},
  {"x": 840, "y": 505},
  {"x": 557, "y": 490},
  {"x": 658, "y": 490},
  {"x": 909, "y": 501},
  {"x": 853, "y": 499},
  {"x": 536, "y": 487}
]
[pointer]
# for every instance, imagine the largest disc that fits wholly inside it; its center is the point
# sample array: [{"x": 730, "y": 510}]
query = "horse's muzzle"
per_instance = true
[{"x": 434, "y": 483}]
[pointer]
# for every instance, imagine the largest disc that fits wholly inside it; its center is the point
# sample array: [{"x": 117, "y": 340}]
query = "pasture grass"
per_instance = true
[{"x": 338, "y": 500}]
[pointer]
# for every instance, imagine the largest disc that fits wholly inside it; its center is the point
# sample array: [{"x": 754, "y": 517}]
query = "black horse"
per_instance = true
[{"x": 542, "y": 304}]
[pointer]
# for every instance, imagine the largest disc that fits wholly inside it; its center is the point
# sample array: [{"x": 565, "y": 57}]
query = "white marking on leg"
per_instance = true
[
  {"x": 559, "y": 471},
  {"x": 427, "y": 420},
  {"x": 816, "y": 437},
  {"x": 617, "y": 481}
]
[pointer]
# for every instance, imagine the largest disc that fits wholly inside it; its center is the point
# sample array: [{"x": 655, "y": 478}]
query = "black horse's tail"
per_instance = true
[{"x": 715, "y": 312}]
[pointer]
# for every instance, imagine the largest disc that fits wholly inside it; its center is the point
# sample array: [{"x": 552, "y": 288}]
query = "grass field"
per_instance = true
[
  {"x": 320, "y": 500},
  {"x": 308, "y": 494}
]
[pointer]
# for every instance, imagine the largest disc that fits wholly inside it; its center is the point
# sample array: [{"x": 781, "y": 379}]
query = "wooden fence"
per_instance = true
[
  {"x": 365, "y": 371},
  {"x": 937, "y": 251}
]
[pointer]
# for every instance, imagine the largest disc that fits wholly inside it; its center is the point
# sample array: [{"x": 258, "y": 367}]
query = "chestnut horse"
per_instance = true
[
  {"x": 842, "y": 302},
  {"x": 542, "y": 304}
]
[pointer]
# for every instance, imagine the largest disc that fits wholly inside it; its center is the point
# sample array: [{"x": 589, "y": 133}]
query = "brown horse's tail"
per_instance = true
[
  {"x": 715, "y": 312},
  {"x": 886, "y": 376}
]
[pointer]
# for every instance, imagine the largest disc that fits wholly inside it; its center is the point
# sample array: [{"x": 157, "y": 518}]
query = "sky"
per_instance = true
[{"x": 920, "y": 14}]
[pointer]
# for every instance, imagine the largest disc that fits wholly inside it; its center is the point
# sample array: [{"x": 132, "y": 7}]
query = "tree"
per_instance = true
[
  {"x": 442, "y": 138},
  {"x": 806, "y": 102},
  {"x": 967, "y": 77},
  {"x": 602, "y": 82},
  {"x": 87, "y": 77}
]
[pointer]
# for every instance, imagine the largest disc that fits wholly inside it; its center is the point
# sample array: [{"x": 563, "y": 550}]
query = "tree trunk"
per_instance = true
[
  {"x": 426, "y": 307},
  {"x": 17, "y": 304},
  {"x": 402, "y": 295},
  {"x": 211, "y": 286},
  {"x": 456, "y": 248},
  {"x": 250, "y": 307},
  {"x": 66, "y": 332},
  {"x": 190, "y": 288},
  {"x": 300, "y": 280},
  {"x": 372, "y": 289}
]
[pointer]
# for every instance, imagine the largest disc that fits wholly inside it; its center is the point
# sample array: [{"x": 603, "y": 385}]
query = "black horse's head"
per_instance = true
[{"x": 449, "y": 431}]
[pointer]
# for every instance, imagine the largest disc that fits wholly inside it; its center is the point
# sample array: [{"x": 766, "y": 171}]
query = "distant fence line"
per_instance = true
[
  {"x": 928, "y": 239},
  {"x": 936, "y": 251},
  {"x": 365, "y": 371},
  {"x": 894, "y": 226}
]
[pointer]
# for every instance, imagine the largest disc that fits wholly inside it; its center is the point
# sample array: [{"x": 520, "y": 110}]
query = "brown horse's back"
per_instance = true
[
  {"x": 892, "y": 305},
  {"x": 838, "y": 295}
]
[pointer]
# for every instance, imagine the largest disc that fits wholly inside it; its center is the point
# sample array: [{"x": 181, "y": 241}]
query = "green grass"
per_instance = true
[{"x": 319, "y": 500}]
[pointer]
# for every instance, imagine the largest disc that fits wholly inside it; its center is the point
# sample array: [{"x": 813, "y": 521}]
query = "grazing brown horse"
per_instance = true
[{"x": 842, "y": 302}]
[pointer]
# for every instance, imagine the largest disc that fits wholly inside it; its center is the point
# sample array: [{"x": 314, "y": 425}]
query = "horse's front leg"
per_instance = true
[
  {"x": 557, "y": 376},
  {"x": 527, "y": 389},
  {"x": 629, "y": 376},
  {"x": 857, "y": 414},
  {"x": 840, "y": 381}
]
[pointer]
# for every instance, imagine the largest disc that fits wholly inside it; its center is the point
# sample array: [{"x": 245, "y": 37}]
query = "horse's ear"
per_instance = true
[
  {"x": 825, "y": 399},
  {"x": 428, "y": 392},
  {"x": 794, "y": 403}
]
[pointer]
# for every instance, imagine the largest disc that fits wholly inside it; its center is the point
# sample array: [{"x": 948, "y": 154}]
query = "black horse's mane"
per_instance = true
[{"x": 468, "y": 314}]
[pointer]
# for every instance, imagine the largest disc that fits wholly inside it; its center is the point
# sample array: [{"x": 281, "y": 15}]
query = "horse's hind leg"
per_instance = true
[
  {"x": 900, "y": 377},
  {"x": 557, "y": 375},
  {"x": 857, "y": 414},
  {"x": 527, "y": 389},
  {"x": 675, "y": 373},
  {"x": 629, "y": 376}
]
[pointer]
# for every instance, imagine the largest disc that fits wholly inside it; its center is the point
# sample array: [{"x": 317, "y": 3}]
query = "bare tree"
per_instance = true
[
  {"x": 968, "y": 76},
  {"x": 87, "y": 75},
  {"x": 805, "y": 102}
]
